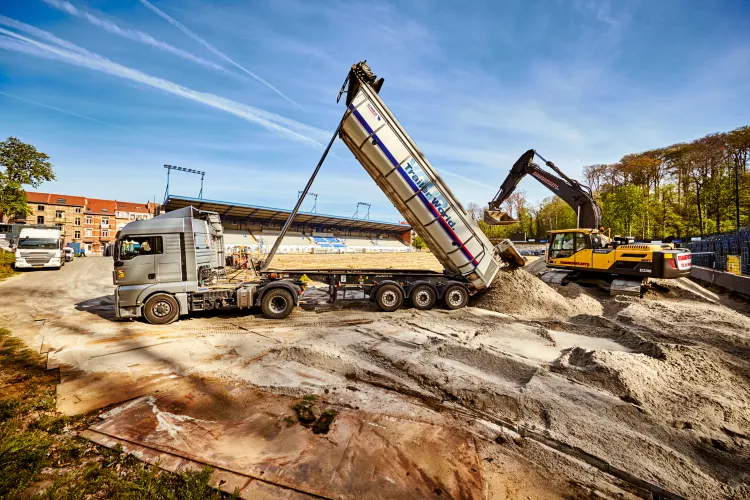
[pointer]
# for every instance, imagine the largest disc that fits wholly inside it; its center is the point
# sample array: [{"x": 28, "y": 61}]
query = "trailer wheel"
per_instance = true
[
  {"x": 456, "y": 297},
  {"x": 161, "y": 309},
  {"x": 277, "y": 304},
  {"x": 423, "y": 297},
  {"x": 389, "y": 297}
]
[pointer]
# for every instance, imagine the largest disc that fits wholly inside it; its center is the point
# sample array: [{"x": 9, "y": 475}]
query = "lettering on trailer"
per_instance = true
[
  {"x": 372, "y": 110},
  {"x": 423, "y": 198},
  {"x": 434, "y": 196},
  {"x": 545, "y": 180}
]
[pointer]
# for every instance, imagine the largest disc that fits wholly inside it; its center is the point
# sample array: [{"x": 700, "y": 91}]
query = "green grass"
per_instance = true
[
  {"x": 42, "y": 457},
  {"x": 7, "y": 260}
]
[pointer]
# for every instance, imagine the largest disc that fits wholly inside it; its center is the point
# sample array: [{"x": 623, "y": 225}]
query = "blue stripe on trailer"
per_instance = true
[{"x": 452, "y": 234}]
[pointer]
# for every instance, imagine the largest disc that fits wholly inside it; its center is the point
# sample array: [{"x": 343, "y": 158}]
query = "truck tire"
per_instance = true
[
  {"x": 389, "y": 297},
  {"x": 456, "y": 297},
  {"x": 161, "y": 309},
  {"x": 277, "y": 304},
  {"x": 423, "y": 297}
]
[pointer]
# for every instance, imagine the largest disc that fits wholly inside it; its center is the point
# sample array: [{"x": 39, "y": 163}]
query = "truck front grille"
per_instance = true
[{"x": 36, "y": 259}]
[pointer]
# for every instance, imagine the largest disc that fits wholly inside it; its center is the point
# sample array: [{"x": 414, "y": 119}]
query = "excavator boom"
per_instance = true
[{"x": 572, "y": 192}]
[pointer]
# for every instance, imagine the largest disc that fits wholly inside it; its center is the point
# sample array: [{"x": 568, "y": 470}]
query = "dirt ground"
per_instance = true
[{"x": 570, "y": 394}]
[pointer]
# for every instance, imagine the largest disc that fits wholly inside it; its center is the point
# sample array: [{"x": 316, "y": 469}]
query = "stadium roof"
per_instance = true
[{"x": 240, "y": 212}]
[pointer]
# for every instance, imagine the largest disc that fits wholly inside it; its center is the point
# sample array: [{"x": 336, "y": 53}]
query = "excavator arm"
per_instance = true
[{"x": 572, "y": 192}]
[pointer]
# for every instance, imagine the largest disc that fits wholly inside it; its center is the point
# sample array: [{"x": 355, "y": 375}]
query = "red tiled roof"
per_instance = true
[
  {"x": 104, "y": 207},
  {"x": 127, "y": 206},
  {"x": 55, "y": 199}
]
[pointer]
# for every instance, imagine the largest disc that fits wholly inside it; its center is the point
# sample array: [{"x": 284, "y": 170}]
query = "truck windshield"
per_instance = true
[
  {"x": 45, "y": 243},
  {"x": 130, "y": 247}
]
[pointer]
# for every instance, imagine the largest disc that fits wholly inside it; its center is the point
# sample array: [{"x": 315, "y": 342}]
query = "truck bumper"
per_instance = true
[
  {"x": 22, "y": 264},
  {"x": 125, "y": 311}
]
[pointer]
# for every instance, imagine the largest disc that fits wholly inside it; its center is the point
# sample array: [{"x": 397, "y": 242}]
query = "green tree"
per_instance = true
[
  {"x": 22, "y": 165},
  {"x": 623, "y": 208}
]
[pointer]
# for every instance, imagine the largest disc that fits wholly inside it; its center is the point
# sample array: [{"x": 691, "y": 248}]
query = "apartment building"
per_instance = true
[
  {"x": 63, "y": 211},
  {"x": 90, "y": 223}
]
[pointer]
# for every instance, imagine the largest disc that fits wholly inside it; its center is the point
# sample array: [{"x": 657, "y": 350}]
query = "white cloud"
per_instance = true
[
  {"x": 134, "y": 35},
  {"x": 213, "y": 49},
  {"x": 78, "y": 56}
]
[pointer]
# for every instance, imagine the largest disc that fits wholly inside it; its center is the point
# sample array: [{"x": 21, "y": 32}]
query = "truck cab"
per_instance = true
[{"x": 39, "y": 248}]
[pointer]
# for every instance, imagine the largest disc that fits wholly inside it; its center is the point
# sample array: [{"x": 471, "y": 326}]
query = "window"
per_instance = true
[
  {"x": 60, "y": 226},
  {"x": 60, "y": 214},
  {"x": 61, "y": 201},
  {"x": 580, "y": 241},
  {"x": 78, "y": 210},
  {"x": 131, "y": 247},
  {"x": 132, "y": 216},
  {"x": 77, "y": 235},
  {"x": 562, "y": 245},
  {"x": 89, "y": 232},
  {"x": 41, "y": 243},
  {"x": 40, "y": 208},
  {"x": 78, "y": 221},
  {"x": 40, "y": 219},
  {"x": 89, "y": 219},
  {"x": 105, "y": 210},
  {"x": 105, "y": 233}
]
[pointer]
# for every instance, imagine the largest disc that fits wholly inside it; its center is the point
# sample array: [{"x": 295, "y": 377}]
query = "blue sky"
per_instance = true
[{"x": 245, "y": 90}]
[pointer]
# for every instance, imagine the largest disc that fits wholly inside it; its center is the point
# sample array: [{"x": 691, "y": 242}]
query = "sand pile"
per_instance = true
[
  {"x": 518, "y": 292},
  {"x": 689, "y": 387},
  {"x": 537, "y": 267}
]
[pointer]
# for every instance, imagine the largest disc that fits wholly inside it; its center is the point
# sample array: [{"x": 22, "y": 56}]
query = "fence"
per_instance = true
[{"x": 719, "y": 247}]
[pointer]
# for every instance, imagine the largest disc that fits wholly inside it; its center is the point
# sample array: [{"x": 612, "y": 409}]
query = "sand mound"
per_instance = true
[
  {"x": 690, "y": 384},
  {"x": 682, "y": 288},
  {"x": 518, "y": 292}
]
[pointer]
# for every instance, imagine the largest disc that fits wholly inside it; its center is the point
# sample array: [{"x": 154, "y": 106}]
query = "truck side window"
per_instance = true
[{"x": 134, "y": 246}]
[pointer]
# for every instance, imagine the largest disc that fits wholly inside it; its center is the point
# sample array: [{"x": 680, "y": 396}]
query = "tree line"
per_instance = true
[{"x": 685, "y": 189}]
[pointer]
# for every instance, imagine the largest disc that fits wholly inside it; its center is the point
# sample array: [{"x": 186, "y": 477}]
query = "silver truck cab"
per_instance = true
[{"x": 162, "y": 260}]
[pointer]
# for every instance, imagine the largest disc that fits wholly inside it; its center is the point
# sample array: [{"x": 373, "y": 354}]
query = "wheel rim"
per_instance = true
[
  {"x": 277, "y": 304},
  {"x": 455, "y": 298},
  {"x": 162, "y": 309},
  {"x": 389, "y": 298},
  {"x": 422, "y": 298}
]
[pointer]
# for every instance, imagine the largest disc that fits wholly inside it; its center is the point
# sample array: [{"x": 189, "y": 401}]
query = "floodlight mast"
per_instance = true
[
  {"x": 314, "y": 195},
  {"x": 367, "y": 215},
  {"x": 182, "y": 169}
]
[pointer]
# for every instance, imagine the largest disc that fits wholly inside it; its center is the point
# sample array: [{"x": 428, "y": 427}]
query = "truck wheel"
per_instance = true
[
  {"x": 161, "y": 309},
  {"x": 456, "y": 297},
  {"x": 277, "y": 304},
  {"x": 423, "y": 297},
  {"x": 389, "y": 297}
]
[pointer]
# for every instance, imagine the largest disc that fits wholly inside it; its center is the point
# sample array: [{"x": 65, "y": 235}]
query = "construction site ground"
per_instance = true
[{"x": 531, "y": 392}]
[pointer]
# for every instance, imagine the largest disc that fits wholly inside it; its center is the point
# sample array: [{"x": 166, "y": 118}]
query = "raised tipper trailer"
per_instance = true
[{"x": 180, "y": 268}]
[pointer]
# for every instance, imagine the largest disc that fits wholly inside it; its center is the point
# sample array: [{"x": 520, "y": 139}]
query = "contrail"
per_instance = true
[
  {"x": 210, "y": 47},
  {"x": 134, "y": 35},
  {"x": 84, "y": 58},
  {"x": 84, "y": 117}
]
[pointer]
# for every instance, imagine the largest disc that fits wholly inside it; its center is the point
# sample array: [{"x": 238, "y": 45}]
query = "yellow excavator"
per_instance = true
[{"x": 587, "y": 254}]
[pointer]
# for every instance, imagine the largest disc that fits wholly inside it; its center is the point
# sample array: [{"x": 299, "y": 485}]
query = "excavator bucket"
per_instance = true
[{"x": 498, "y": 218}]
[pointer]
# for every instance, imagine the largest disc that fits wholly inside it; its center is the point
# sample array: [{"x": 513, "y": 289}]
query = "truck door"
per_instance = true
[
  {"x": 582, "y": 256},
  {"x": 168, "y": 259},
  {"x": 134, "y": 259}
]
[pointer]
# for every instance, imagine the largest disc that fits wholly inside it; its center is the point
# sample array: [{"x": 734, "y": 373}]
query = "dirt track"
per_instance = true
[{"x": 657, "y": 387}]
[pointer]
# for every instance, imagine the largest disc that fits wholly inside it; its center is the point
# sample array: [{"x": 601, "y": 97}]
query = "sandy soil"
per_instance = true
[{"x": 655, "y": 387}]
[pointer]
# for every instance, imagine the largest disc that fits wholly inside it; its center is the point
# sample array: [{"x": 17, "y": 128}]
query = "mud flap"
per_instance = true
[{"x": 508, "y": 253}]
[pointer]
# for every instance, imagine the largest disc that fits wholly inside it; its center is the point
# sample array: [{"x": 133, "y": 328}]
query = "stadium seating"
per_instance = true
[{"x": 713, "y": 250}]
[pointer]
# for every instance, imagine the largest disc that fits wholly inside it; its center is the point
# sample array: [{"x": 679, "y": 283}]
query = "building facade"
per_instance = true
[{"x": 89, "y": 223}]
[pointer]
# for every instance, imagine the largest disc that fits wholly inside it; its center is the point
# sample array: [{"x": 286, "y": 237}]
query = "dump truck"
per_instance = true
[{"x": 172, "y": 264}]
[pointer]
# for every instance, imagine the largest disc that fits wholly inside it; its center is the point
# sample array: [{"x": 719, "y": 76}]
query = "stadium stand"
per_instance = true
[
  {"x": 254, "y": 229},
  {"x": 712, "y": 251}
]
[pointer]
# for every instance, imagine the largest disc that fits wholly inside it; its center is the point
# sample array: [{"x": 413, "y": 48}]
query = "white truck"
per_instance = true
[
  {"x": 169, "y": 266},
  {"x": 39, "y": 248}
]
